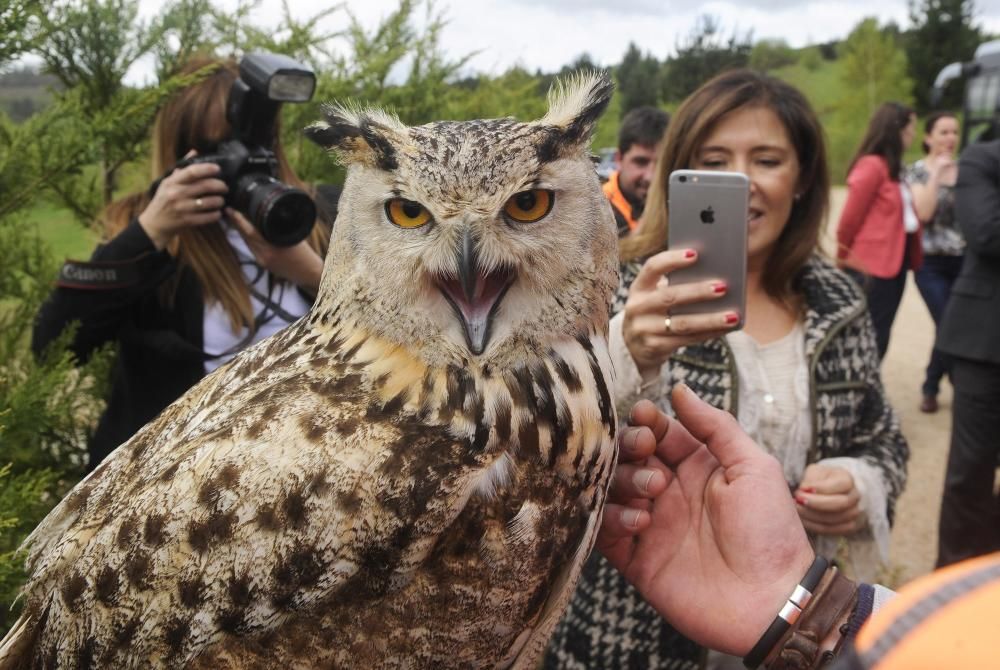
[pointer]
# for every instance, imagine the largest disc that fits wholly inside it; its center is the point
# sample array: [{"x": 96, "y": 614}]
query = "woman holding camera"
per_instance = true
[
  {"x": 181, "y": 282},
  {"x": 802, "y": 377}
]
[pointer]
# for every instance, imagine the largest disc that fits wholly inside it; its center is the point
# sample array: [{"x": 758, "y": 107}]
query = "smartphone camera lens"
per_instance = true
[{"x": 682, "y": 179}]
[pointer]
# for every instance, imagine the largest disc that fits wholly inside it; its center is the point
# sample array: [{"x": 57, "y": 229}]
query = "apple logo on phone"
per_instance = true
[{"x": 707, "y": 215}]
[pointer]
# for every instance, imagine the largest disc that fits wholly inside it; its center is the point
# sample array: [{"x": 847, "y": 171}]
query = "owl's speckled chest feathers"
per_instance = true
[
  {"x": 377, "y": 513},
  {"x": 490, "y": 493}
]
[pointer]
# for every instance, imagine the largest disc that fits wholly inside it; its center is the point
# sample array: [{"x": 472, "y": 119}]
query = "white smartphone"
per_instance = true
[{"x": 708, "y": 213}]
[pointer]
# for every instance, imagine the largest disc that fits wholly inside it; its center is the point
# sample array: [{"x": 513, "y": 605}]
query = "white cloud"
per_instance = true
[{"x": 547, "y": 34}]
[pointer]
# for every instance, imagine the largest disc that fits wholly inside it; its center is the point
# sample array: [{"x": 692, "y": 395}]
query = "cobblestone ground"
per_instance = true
[{"x": 914, "y": 537}]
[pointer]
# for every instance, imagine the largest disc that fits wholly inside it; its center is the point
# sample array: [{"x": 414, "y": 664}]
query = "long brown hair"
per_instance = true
[
  {"x": 692, "y": 124},
  {"x": 195, "y": 118},
  {"x": 883, "y": 136}
]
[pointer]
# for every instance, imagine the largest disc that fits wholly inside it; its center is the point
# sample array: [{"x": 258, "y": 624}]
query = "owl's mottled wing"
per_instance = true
[{"x": 275, "y": 487}]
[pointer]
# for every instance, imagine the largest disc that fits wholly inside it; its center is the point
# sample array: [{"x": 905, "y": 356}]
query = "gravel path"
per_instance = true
[{"x": 914, "y": 537}]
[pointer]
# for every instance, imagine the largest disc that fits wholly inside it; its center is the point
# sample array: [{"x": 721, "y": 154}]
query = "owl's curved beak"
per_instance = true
[{"x": 475, "y": 294}]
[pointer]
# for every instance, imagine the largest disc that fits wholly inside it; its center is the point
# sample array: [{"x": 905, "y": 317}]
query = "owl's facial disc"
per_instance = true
[{"x": 475, "y": 294}]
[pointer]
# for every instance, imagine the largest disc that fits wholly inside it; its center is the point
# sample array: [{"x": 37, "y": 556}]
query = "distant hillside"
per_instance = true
[{"x": 24, "y": 91}]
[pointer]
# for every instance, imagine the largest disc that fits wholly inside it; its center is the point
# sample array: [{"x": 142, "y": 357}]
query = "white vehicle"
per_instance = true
[
  {"x": 606, "y": 163},
  {"x": 981, "y": 109}
]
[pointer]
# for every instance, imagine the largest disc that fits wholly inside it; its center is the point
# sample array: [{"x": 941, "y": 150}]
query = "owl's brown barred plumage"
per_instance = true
[{"x": 409, "y": 476}]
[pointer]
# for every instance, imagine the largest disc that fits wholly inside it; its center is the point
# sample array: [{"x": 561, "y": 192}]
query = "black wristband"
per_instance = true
[{"x": 788, "y": 615}]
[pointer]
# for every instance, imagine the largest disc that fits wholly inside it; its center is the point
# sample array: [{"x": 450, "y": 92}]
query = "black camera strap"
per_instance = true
[
  {"x": 270, "y": 309},
  {"x": 100, "y": 275}
]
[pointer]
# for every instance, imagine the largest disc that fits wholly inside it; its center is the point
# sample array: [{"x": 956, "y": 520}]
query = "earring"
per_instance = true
[{"x": 798, "y": 196}]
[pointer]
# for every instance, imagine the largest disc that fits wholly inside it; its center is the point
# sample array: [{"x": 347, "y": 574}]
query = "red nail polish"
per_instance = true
[
  {"x": 719, "y": 287},
  {"x": 808, "y": 489},
  {"x": 800, "y": 500},
  {"x": 732, "y": 318},
  {"x": 690, "y": 253}
]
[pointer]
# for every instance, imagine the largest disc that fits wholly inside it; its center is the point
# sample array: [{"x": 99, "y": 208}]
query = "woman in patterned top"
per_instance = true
[
  {"x": 802, "y": 377},
  {"x": 932, "y": 182}
]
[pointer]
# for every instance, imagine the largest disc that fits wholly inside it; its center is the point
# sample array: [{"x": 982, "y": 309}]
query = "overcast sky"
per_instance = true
[{"x": 548, "y": 34}]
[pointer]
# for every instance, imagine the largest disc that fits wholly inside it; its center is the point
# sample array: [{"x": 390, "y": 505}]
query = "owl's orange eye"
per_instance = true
[
  {"x": 407, "y": 213},
  {"x": 530, "y": 206}
]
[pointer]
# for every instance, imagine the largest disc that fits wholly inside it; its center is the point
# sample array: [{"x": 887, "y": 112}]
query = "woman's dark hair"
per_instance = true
[
  {"x": 883, "y": 136},
  {"x": 692, "y": 124},
  {"x": 929, "y": 124}
]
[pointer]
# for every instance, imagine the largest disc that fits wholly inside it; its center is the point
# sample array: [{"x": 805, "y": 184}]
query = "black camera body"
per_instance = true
[{"x": 284, "y": 215}]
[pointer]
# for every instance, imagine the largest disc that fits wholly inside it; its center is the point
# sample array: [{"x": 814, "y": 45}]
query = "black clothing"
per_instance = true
[
  {"x": 157, "y": 324},
  {"x": 934, "y": 280},
  {"x": 970, "y": 510},
  {"x": 884, "y": 296},
  {"x": 971, "y": 324},
  {"x": 970, "y": 331},
  {"x": 159, "y": 348}
]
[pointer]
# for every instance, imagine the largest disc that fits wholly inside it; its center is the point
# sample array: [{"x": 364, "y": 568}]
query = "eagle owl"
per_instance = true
[{"x": 409, "y": 476}]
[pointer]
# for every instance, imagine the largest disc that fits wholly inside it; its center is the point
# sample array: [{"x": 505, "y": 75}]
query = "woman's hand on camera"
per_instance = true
[
  {"x": 190, "y": 196},
  {"x": 650, "y": 300},
  {"x": 299, "y": 263}
]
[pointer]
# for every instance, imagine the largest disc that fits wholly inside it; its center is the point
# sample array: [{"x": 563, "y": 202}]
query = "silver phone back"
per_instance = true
[{"x": 708, "y": 213}]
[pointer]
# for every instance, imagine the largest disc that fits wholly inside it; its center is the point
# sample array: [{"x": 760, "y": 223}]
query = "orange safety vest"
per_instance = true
[
  {"x": 948, "y": 619},
  {"x": 618, "y": 201}
]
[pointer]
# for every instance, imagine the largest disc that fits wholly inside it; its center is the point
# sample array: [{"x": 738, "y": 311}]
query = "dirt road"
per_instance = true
[{"x": 914, "y": 537}]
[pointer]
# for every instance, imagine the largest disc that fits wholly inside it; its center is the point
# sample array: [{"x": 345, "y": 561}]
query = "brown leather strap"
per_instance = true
[{"x": 799, "y": 649}]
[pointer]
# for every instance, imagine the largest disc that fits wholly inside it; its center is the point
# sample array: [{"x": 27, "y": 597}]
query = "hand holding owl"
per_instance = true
[{"x": 704, "y": 528}]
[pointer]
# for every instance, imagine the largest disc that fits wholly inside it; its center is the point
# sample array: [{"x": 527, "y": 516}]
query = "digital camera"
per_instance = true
[{"x": 284, "y": 215}]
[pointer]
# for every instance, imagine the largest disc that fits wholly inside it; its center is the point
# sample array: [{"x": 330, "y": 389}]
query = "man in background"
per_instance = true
[
  {"x": 639, "y": 140},
  {"x": 970, "y": 331}
]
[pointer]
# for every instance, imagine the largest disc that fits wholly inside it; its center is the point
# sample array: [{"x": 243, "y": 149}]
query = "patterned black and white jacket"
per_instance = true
[{"x": 608, "y": 624}]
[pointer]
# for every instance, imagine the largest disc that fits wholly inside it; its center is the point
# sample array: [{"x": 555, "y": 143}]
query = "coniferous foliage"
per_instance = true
[
  {"x": 638, "y": 80},
  {"x": 942, "y": 32},
  {"x": 704, "y": 53}
]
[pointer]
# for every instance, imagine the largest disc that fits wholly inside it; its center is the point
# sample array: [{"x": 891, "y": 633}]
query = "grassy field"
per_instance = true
[{"x": 63, "y": 233}]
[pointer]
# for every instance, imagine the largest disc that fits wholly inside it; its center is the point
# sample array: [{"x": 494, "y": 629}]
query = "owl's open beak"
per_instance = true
[{"x": 475, "y": 294}]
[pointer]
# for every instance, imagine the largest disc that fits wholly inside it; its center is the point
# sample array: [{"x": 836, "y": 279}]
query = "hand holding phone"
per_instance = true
[
  {"x": 708, "y": 213},
  {"x": 678, "y": 298}
]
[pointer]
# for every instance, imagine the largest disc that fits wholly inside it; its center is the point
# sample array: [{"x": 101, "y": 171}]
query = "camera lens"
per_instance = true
[
  {"x": 284, "y": 215},
  {"x": 682, "y": 179}
]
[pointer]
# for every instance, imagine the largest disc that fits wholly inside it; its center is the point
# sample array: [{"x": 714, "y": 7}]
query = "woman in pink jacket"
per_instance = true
[{"x": 878, "y": 237}]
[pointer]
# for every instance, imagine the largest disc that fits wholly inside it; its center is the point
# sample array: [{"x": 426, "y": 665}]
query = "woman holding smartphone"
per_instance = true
[{"x": 802, "y": 376}]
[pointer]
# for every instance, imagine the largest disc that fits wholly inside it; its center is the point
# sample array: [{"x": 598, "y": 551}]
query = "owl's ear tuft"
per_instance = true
[
  {"x": 575, "y": 104},
  {"x": 358, "y": 136}
]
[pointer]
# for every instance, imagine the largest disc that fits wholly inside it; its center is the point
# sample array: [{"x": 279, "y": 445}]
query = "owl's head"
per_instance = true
[{"x": 472, "y": 241}]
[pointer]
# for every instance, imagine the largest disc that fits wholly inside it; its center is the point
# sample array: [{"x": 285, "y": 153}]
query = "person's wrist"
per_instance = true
[
  {"x": 787, "y": 599},
  {"x": 153, "y": 231},
  {"x": 811, "y": 637},
  {"x": 649, "y": 373},
  {"x": 648, "y": 370},
  {"x": 312, "y": 275}
]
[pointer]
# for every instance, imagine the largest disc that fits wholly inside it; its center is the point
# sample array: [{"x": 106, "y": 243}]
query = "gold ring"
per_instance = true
[
  {"x": 666, "y": 325},
  {"x": 198, "y": 202}
]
